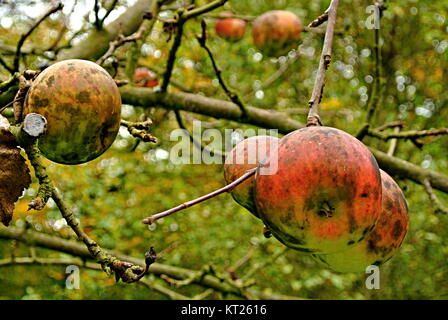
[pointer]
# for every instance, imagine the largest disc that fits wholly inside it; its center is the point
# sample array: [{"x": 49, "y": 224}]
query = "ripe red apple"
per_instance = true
[
  {"x": 244, "y": 156},
  {"x": 230, "y": 29},
  {"x": 144, "y": 77},
  {"x": 276, "y": 32},
  {"x": 325, "y": 195},
  {"x": 384, "y": 240}
]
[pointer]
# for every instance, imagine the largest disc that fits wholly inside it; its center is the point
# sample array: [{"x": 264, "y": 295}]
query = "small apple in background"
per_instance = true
[
  {"x": 230, "y": 29},
  {"x": 276, "y": 32},
  {"x": 144, "y": 77}
]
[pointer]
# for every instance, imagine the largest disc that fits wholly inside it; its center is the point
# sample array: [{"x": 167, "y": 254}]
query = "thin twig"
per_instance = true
[
  {"x": 394, "y": 124},
  {"x": 428, "y": 188},
  {"x": 114, "y": 45},
  {"x": 393, "y": 143},
  {"x": 196, "y": 143},
  {"x": 111, "y": 8},
  {"x": 22, "y": 39},
  {"x": 63, "y": 30},
  {"x": 411, "y": 135},
  {"x": 319, "y": 20},
  {"x": 125, "y": 271},
  {"x": 73, "y": 248},
  {"x": 204, "y": 9},
  {"x": 376, "y": 93},
  {"x": 5, "y": 65},
  {"x": 96, "y": 9},
  {"x": 265, "y": 263},
  {"x": 191, "y": 203},
  {"x": 183, "y": 17},
  {"x": 232, "y": 270},
  {"x": 172, "y": 56},
  {"x": 234, "y": 16},
  {"x": 207, "y": 270},
  {"x": 233, "y": 96},
  {"x": 140, "y": 130},
  {"x": 146, "y": 28},
  {"x": 325, "y": 59}
]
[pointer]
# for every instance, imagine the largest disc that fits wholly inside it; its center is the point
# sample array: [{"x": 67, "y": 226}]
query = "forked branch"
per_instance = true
[{"x": 22, "y": 39}]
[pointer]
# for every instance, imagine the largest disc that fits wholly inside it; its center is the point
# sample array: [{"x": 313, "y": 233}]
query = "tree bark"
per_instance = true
[
  {"x": 208, "y": 106},
  {"x": 267, "y": 119},
  {"x": 97, "y": 41}
]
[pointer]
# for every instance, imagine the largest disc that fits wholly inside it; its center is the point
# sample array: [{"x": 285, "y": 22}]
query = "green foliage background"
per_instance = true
[{"x": 129, "y": 182}]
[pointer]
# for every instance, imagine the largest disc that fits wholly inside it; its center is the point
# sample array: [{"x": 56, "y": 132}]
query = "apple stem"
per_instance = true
[
  {"x": 185, "y": 205},
  {"x": 325, "y": 59}
]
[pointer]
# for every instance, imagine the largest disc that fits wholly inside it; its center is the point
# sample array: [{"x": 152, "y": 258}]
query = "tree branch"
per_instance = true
[
  {"x": 233, "y": 96},
  {"x": 77, "y": 249},
  {"x": 140, "y": 130},
  {"x": 96, "y": 9},
  {"x": 376, "y": 94},
  {"x": 393, "y": 143},
  {"x": 407, "y": 170},
  {"x": 111, "y": 8},
  {"x": 114, "y": 45},
  {"x": 123, "y": 270},
  {"x": 319, "y": 20},
  {"x": 97, "y": 41},
  {"x": 110, "y": 264},
  {"x": 325, "y": 59},
  {"x": 428, "y": 188},
  {"x": 183, "y": 17},
  {"x": 191, "y": 203},
  {"x": 204, "y": 9},
  {"x": 22, "y": 39},
  {"x": 172, "y": 56},
  {"x": 5, "y": 65},
  {"x": 208, "y": 106},
  {"x": 146, "y": 28},
  {"x": 196, "y": 143},
  {"x": 414, "y": 134},
  {"x": 37, "y": 261}
]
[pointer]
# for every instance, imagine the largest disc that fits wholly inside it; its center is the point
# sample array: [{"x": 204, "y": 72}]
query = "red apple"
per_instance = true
[
  {"x": 230, "y": 29},
  {"x": 325, "y": 194},
  {"x": 276, "y": 32},
  {"x": 144, "y": 77}
]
